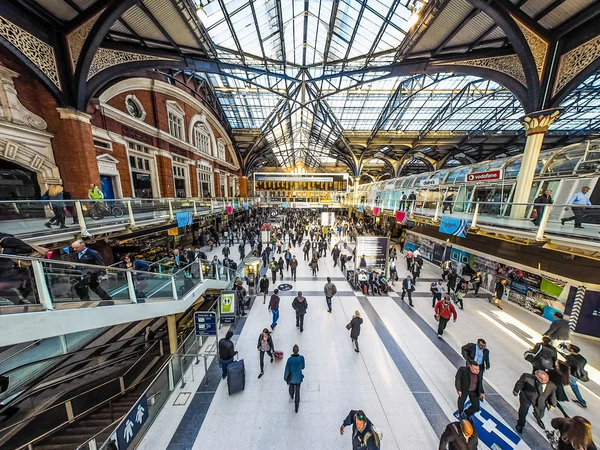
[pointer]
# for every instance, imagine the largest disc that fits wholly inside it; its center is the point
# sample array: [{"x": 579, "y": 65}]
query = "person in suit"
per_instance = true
[
  {"x": 534, "y": 390},
  {"x": 179, "y": 261},
  {"x": 576, "y": 364},
  {"x": 468, "y": 383},
  {"x": 408, "y": 288},
  {"x": 544, "y": 355},
  {"x": 90, "y": 278},
  {"x": 459, "y": 436},
  {"x": 559, "y": 329},
  {"x": 478, "y": 353}
]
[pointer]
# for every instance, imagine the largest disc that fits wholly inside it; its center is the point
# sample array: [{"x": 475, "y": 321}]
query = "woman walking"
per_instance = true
[
  {"x": 314, "y": 265},
  {"x": 293, "y": 375},
  {"x": 354, "y": 327},
  {"x": 575, "y": 433},
  {"x": 265, "y": 345},
  {"x": 55, "y": 195}
]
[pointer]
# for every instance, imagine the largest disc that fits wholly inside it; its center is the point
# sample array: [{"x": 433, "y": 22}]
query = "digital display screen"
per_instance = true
[
  {"x": 304, "y": 182},
  {"x": 375, "y": 251}
]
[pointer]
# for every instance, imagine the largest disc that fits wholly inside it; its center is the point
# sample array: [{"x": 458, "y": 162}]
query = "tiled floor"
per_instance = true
[{"x": 403, "y": 377}]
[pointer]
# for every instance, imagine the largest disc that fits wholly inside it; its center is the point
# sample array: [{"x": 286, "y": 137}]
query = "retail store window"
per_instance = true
[
  {"x": 202, "y": 139},
  {"x": 142, "y": 171},
  {"x": 180, "y": 175},
  {"x": 175, "y": 116}
]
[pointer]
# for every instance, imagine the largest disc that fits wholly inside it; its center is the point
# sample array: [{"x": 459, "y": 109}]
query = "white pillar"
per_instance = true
[{"x": 536, "y": 125}]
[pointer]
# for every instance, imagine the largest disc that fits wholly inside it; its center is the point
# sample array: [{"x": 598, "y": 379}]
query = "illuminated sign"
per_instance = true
[{"x": 484, "y": 176}]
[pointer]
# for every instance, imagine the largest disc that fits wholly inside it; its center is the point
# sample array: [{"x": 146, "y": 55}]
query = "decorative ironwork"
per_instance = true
[
  {"x": 36, "y": 50},
  {"x": 105, "y": 58},
  {"x": 538, "y": 47},
  {"x": 509, "y": 65},
  {"x": 574, "y": 61},
  {"x": 538, "y": 122},
  {"x": 77, "y": 38}
]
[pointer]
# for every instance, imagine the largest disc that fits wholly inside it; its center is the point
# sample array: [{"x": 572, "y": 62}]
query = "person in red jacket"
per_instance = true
[{"x": 443, "y": 311}]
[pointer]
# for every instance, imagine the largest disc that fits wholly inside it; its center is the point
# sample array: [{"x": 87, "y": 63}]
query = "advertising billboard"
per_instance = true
[{"x": 372, "y": 252}]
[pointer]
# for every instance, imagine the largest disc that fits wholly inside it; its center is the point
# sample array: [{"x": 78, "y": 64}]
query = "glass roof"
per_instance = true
[{"x": 304, "y": 72}]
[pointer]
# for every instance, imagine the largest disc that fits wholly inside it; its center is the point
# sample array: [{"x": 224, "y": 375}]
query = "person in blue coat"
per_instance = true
[{"x": 293, "y": 375}]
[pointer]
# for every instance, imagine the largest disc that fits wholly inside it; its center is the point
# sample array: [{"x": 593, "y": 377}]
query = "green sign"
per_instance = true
[{"x": 227, "y": 302}]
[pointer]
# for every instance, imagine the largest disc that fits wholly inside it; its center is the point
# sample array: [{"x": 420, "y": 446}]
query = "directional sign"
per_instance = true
[
  {"x": 492, "y": 432},
  {"x": 205, "y": 323},
  {"x": 132, "y": 424}
]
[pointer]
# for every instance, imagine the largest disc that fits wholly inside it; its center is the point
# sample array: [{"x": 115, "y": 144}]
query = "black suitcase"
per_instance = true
[{"x": 236, "y": 376}]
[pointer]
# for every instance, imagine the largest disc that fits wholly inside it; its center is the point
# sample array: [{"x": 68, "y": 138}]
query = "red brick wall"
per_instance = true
[
  {"x": 145, "y": 98},
  {"x": 194, "y": 181},
  {"x": 119, "y": 152},
  {"x": 165, "y": 176},
  {"x": 217, "y": 180}
]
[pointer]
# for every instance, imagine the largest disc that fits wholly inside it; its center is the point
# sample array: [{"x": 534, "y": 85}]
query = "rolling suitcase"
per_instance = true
[{"x": 236, "y": 376}]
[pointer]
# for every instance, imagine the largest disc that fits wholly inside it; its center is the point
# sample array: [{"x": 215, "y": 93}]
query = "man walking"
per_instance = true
[
  {"x": 443, "y": 311},
  {"x": 478, "y": 353},
  {"x": 559, "y": 330},
  {"x": 408, "y": 288},
  {"x": 264, "y": 287},
  {"x": 294, "y": 267},
  {"x": 90, "y": 277},
  {"x": 437, "y": 290},
  {"x": 365, "y": 436},
  {"x": 226, "y": 352},
  {"x": 459, "y": 436},
  {"x": 468, "y": 383},
  {"x": 578, "y": 203},
  {"x": 293, "y": 375},
  {"x": 576, "y": 364},
  {"x": 300, "y": 305},
  {"x": 534, "y": 390},
  {"x": 329, "y": 290},
  {"x": 274, "y": 308},
  {"x": 274, "y": 268}
]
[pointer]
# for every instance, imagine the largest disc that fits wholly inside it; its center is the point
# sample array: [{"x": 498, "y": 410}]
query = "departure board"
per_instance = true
[
  {"x": 300, "y": 182},
  {"x": 372, "y": 252}
]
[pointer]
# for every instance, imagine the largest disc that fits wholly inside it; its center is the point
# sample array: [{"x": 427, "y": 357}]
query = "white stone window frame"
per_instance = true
[
  {"x": 201, "y": 130},
  {"x": 181, "y": 165},
  {"x": 221, "y": 149},
  {"x": 205, "y": 174},
  {"x": 144, "y": 152},
  {"x": 175, "y": 119},
  {"x": 139, "y": 104}
]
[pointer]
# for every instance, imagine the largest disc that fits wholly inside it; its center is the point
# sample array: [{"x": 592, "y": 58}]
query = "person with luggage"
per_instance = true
[
  {"x": 293, "y": 375},
  {"x": 444, "y": 310},
  {"x": 459, "y": 436},
  {"x": 274, "y": 308},
  {"x": 265, "y": 345},
  {"x": 329, "y": 290},
  {"x": 300, "y": 305},
  {"x": 576, "y": 364},
  {"x": 354, "y": 327},
  {"x": 226, "y": 352},
  {"x": 365, "y": 435},
  {"x": 294, "y": 267},
  {"x": 460, "y": 292},
  {"x": 264, "y": 287}
]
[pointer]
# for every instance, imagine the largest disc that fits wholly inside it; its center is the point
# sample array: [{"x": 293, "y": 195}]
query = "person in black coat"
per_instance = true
[
  {"x": 300, "y": 305},
  {"x": 559, "y": 329},
  {"x": 478, "y": 353},
  {"x": 451, "y": 284},
  {"x": 544, "y": 355},
  {"x": 264, "y": 287},
  {"x": 576, "y": 363},
  {"x": 575, "y": 433},
  {"x": 459, "y": 436},
  {"x": 408, "y": 287},
  {"x": 90, "y": 277},
  {"x": 534, "y": 390},
  {"x": 364, "y": 436},
  {"x": 354, "y": 327},
  {"x": 545, "y": 198},
  {"x": 499, "y": 292},
  {"x": 469, "y": 384}
]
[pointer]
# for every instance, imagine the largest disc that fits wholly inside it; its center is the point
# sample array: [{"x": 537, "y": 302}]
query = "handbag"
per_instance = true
[
  {"x": 436, "y": 317},
  {"x": 349, "y": 326}
]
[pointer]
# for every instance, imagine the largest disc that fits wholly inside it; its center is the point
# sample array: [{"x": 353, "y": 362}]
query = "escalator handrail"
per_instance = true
[
  {"x": 20, "y": 351},
  {"x": 29, "y": 418},
  {"x": 32, "y": 389},
  {"x": 70, "y": 354}
]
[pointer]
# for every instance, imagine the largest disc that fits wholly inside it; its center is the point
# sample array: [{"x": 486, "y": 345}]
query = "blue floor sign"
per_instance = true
[{"x": 492, "y": 432}]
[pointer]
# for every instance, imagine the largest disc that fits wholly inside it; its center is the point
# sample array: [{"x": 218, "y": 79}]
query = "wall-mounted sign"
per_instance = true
[
  {"x": 431, "y": 182},
  {"x": 485, "y": 176},
  {"x": 227, "y": 306},
  {"x": 455, "y": 227},
  {"x": 205, "y": 323}
]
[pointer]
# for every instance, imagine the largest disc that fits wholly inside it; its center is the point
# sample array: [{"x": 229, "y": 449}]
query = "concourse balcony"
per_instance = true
[
  {"x": 41, "y": 298},
  {"x": 26, "y": 219},
  {"x": 508, "y": 221}
]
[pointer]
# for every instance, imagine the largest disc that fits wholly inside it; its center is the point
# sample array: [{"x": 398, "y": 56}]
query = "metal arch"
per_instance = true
[
  {"x": 501, "y": 16},
  {"x": 408, "y": 161},
  {"x": 91, "y": 45},
  {"x": 579, "y": 79}
]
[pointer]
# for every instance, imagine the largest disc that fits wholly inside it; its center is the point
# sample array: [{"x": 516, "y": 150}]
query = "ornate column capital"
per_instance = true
[
  {"x": 73, "y": 114},
  {"x": 538, "y": 122}
]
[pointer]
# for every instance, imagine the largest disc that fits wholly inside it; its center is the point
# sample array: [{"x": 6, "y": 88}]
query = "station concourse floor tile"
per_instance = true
[{"x": 403, "y": 377}]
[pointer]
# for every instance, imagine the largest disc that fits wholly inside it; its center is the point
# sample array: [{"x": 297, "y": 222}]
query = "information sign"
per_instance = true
[
  {"x": 205, "y": 323},
  {"x": 227, "y": 306},
  {"x": 493, "y": 433}
]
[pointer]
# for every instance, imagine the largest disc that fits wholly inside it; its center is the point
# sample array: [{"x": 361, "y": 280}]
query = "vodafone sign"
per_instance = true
[{"x": 484, "y": 176}]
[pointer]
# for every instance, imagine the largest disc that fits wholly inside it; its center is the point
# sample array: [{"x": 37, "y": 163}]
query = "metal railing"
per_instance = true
[
  {"x": 31, "y": 218},
  {"x": 77, "y": 406},
  {"x": 53, "y": 284},
  {"x": 541, "y": 221}
]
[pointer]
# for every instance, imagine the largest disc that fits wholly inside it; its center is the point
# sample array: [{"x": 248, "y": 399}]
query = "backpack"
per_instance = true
[
  {"x": 333, "y": 289},
  {"x": 432, "y": 287},
  {"x": 376, "y": 433}
]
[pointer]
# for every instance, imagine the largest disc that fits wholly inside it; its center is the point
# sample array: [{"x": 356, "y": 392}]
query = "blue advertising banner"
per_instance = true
[
  {"x": 132, "y": 424},
  {"x": 285, "y": 204},
  {"x": 183, "y": 219},
  {"x": 455, "y": 227},
  {"x": 236, "y": 203},
  {"x": 493, "y": 433}
]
